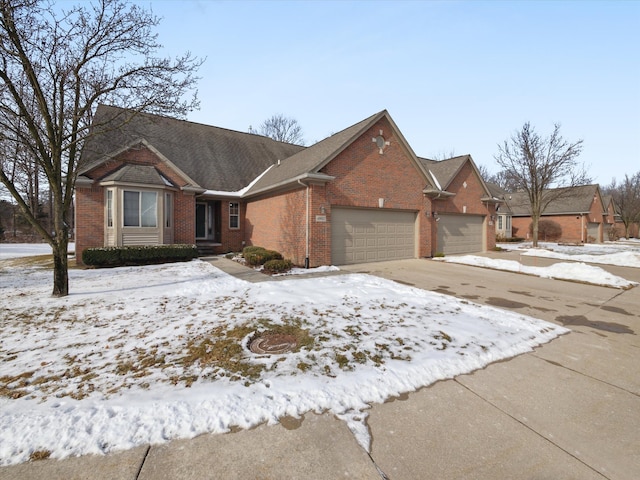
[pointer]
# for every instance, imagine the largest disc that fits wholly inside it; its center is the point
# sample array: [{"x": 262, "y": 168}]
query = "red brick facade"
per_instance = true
[
  {"x": 576, "y": 227},
  {"x": 297, "y": 221},
  {"x": 362, "y": 176}
]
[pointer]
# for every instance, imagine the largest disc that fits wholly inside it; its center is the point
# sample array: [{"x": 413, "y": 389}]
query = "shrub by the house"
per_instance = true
[
  {"x": 277, "y": 266},
  {"x": 548, "y": 230},
  {"x": 138, "y": 255},
  {"x": 256, "y": 256}
]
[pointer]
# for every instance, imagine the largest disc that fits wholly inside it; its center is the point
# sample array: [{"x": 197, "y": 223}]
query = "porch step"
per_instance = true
[{"x": 208, "y": 249}]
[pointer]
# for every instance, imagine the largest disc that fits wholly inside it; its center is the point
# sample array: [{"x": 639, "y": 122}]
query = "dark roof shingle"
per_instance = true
[{"x": 215, "y": 158}]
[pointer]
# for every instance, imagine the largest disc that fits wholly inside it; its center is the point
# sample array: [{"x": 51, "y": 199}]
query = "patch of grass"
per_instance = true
[
  {"x": 39, "y": 455},
  {"x": 222, "y": 349},
  {"x": 303, "y": 366},
  {"x": 343, "y": 361}
]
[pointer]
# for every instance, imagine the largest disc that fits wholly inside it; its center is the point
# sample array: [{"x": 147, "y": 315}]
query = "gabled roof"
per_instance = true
[
  {"x": 217, "y": 161},
  {"x": 214, "y": 158},
  {"x": 308, "y": 163},
  {"x": 570, "y": 200},
  {"x": 444, "y": 171},
  {"x": 499, "y": 193},
  {"x": 139, "y": 174}
]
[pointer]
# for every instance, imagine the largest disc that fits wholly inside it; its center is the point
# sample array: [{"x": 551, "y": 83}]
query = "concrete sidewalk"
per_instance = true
[{"x": 569, "y": 410}]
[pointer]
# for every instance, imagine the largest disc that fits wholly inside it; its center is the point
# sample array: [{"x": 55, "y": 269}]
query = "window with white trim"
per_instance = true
[
  {"x": 140, "y": 209},
  {"x": 234, "y": 215},
  {"x": 499, "y": 222},
  {"x": 109, "y": 208}
]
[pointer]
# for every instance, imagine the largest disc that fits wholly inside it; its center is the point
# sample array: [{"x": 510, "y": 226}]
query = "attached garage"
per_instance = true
[
  {"x": 459, "y": 234},
  {"x": 593, "y": 232},
  {"x": 368, "y": 235}
]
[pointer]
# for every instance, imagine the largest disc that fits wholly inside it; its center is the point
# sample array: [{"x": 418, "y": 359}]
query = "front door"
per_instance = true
[
  {"x": 208, "y": 221},
  {"x": 203, "y": 221}
]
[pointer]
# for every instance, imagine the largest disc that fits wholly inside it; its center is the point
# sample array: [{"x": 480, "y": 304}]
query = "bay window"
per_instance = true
[{"x": 140, "y": 209}]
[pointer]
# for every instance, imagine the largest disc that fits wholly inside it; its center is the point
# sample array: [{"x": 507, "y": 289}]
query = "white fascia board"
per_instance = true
[
  {"x": 435, "y": 180},
  {"x": 239, "y": 193}
]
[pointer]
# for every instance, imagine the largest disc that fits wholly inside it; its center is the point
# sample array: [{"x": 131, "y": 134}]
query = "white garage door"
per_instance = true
[
  {"x": 459, "y": 234},
  {"x": 359, "y": 235}
]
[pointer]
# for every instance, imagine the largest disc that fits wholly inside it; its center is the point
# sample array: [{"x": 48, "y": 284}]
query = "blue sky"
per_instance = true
[{"x": 457, "y": 77}]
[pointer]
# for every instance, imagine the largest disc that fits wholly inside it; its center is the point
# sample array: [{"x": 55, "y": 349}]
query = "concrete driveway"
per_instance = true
[{"x": 569, "y": 410}]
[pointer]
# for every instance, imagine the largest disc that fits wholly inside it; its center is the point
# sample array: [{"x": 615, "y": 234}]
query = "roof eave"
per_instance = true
[
  {"x": 437, "y": 194},
  {"x": 304, "y": 179}
]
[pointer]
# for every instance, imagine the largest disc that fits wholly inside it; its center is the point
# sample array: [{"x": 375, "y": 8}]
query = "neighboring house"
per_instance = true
[
  {"x": 580, "y": 212},
  {"x": 359, "y": 195},
  {"x": 503, "y": 212},
  {"x": 611, "y": 218},
  {"x": 615, "y": 228}
]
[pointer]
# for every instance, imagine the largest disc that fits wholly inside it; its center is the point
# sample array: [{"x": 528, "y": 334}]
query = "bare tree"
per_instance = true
[
  {"x": 541, "y": 167},
  {"x": 626, "y": 197},
  {"x": 55, "y": 67},
  {"x": 281, "y": 129},
  {"x": 501, "y": 179}
]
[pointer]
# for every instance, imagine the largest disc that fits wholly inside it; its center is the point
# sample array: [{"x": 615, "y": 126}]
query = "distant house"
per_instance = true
[
  {"x": 580, "y": 212},
  {"x": 615, "y": 227},
  {"x": 360, "y": 195},
  {"x": 503, "y": 212}
]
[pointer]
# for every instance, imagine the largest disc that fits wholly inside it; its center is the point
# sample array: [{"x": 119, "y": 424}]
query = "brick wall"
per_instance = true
[
  {"x": 362, "y": 176},
  {"x": 89, "y": 219},
  {"x": 574, "y": 227},
  {"x": 89, "y": 202},
  {"x": 278, "y": 222}
]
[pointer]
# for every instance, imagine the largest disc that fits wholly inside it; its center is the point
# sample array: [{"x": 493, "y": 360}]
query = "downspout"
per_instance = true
[
  {"x": 582, "y": 228},
  {"x": 306, "y": 251}
]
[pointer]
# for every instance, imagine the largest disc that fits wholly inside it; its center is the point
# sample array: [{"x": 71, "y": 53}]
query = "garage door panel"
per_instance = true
[
  {"x": 460, "y": 234},
  {"x": 360, "y": 235}
]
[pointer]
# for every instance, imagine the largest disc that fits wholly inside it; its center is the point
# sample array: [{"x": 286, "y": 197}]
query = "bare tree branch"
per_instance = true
[
  {"x": 281, "y": 129},
  {"x": 55, "y": 68},
  {"x": 541, "y": 167}
]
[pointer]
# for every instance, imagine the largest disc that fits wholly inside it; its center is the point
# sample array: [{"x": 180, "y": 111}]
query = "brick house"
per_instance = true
[
  {"x": 359, "y": 195},
  {"x": 580, "y": 212},
  {"x": 503, "y": 212}
]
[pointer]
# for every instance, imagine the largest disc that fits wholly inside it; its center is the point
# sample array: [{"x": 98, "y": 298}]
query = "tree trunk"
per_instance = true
[
  {"x": 534, "y": 230},
  {"x": 60, "y": 268}
]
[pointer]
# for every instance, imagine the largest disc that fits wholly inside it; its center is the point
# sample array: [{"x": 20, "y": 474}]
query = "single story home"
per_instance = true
[
  {"x": 360, "y": 195},
  {"x": 580, "y": 211}
]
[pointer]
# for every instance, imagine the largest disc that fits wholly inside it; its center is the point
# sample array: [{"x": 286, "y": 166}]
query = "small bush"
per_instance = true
[
  {"x": 251, "y": 249},
  {"x": 277, "y": 266},
  {"x": 439, "y": 254},
  {"x": 612, "y": 233},
  {"x": 138, "y": 255},
  {"x": 255, "y": 256},
  {"x": 548, "y": 230}
]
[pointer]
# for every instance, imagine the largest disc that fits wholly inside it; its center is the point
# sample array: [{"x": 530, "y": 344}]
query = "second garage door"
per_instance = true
[
  {"x": 359, "y": 235},
  {"x": 459, "y": 234}
]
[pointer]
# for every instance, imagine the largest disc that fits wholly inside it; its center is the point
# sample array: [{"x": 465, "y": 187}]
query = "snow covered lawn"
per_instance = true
[
  {"x": 143, "y": 355},
  {"x": 612, "y": 253},
  {"x": 622, "y": 253},
  {"x": 576, "y": 272}
]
